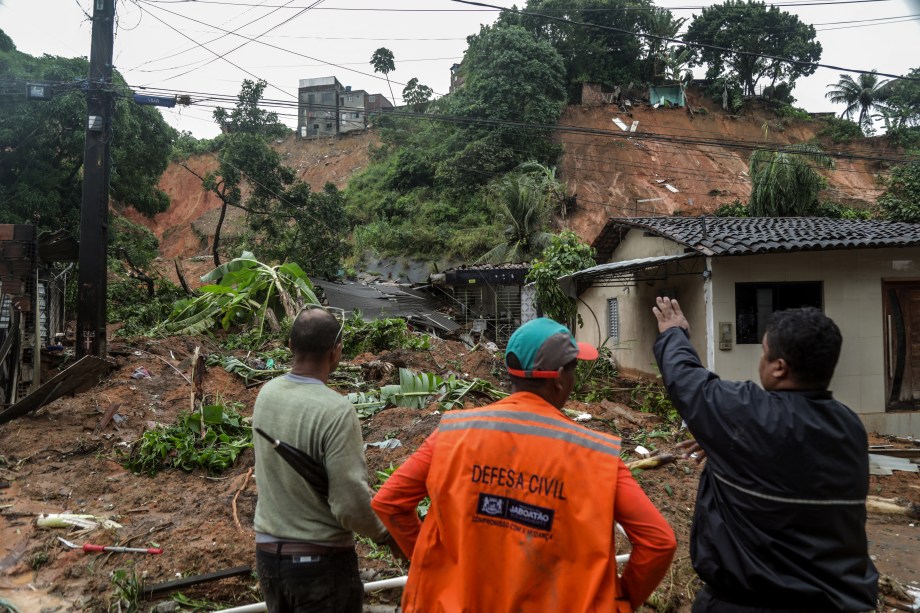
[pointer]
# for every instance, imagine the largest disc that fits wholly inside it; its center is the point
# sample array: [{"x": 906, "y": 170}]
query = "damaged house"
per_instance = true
[{"x": 731, "y": 274}]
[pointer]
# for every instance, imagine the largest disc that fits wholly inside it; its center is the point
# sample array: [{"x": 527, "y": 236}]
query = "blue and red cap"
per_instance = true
[{"x": 539, "y": 348}]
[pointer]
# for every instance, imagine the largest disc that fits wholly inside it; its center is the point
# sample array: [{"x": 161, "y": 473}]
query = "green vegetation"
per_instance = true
[
  {"x": 184, "y": 445},
  {"x": 861, "y": 96},
  {"x": 841, "y": 130},
  {"x": 751, "y": 27},
  {"x": 361, "y": 336},
  {"x": 42, "y": 144},
  {"x": 785, "y": 183},
  {"x": 598, "y": 379},
  {"x": 139, "y": 314},
  {"x": 127, "y": 591},
  {"x": 652, "y": 397},
  {"x": 901, "y": 200},
  {"x": 565, "y": 255},
  {"x": 246, "y": 292}
]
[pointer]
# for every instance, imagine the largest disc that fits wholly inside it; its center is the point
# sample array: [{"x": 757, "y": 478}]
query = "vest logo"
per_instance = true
[
  {"x": 532, "y": 516},
  {"x": 492, "y": 505}
]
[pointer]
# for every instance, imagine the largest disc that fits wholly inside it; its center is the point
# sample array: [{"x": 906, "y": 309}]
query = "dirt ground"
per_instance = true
[{"x": 55, "y": 461}]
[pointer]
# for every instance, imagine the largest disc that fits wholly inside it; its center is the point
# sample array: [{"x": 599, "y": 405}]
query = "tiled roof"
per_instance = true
[{"x": 748, "y": 235}]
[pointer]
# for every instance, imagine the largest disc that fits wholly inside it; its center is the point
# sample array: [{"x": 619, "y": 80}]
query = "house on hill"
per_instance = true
[
  {"x": 731, "y": 274},
  {"x": 328, "y": 108}
]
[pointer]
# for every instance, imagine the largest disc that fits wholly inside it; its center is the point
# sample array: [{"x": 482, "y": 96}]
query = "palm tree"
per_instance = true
[
  {"x": 863, "y": 95},
  {"x": 785, "y": 183},
  {"x": 661, "y": 23},
  {"x": 523, "y": 199},
  {"x": 383, "y": 61}
]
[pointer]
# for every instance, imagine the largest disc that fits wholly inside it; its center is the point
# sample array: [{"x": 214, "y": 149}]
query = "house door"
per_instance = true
[{"x": 902, "y": 338}]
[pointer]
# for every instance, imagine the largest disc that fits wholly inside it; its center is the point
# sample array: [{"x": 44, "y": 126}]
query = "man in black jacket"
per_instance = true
[{"x": 780, "y": 519}]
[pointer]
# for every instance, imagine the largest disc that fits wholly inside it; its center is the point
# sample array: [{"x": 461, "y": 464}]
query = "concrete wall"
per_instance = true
[
  {"x": 638, "y": 327},
  {"x": 351, "y": 111},
  {"x": 852, "y": 298}
]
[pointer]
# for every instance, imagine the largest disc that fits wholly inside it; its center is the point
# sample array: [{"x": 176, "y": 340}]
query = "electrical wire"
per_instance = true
[{"x": 261, "y": 42}]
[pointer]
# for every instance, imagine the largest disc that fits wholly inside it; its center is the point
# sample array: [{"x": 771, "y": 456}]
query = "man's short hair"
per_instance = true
[
  {"x": 314, "y": 333},
  {"x": 809, "y": 341}
]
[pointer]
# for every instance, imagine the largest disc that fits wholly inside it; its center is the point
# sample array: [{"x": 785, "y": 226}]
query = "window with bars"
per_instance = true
[{"x": 613, "y": 320}]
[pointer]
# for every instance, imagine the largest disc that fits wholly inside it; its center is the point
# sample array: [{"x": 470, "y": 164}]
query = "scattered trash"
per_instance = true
[
  {"x": 671, "y": 188},
  {"x": 491, "y": 347},
  {"x": 390, "y": 443},
  {"x": 140, "y": 373},
  {"x": 619, "y": 123},
  {"x": 71, "y": 520},
  {"x": 583, "y": 417},
  {"x": 90, "y": 548},
  {"x": 642, "y": 451},
  {"x": 634, "y": 125},
  {"x": 270, "y": 363}
]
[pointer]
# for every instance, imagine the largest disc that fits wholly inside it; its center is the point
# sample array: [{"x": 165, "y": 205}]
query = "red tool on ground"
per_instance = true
[{"x": 88, "y": 547}]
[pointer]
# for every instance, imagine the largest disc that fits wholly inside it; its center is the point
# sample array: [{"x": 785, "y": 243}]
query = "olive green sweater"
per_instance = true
[{"x": 308, "y": 415}]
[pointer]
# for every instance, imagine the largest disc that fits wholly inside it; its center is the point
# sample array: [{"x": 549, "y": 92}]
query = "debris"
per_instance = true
[
  {"x": 578, "y": 415},
  {"x": 109, "y": 414},
  {"x": 671, "y": 188},
  {"x": 653, "y": 462},
  {"x": 390, "y": 443},
  {"x": 141, "y": 373},
  {"x": 161, "y": 589},
  {"x": 236, "y": 517},
  {"x": 90, "y": 548},
  {"x": 71, "y": 520},
  {"x": 885, "y": 464},
  {"x": 619, "y": 123},
  {"x": 642, "y": 451},
  {"x": 490, "y": 347},
  {"x": 634, "y": 125},
  {"x": 892, "y": 506},
  {"x": 81, "y": 376}
]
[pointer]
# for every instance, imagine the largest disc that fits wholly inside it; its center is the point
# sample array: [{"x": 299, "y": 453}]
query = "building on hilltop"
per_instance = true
[{"x": 326, "y": 108}]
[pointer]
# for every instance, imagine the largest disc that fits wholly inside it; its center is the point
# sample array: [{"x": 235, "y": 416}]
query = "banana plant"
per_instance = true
[{"x": 243, "y": 291}]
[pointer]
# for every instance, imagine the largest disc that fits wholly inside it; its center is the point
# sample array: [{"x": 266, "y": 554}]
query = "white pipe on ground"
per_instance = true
[{"x": 371, "y": 586}]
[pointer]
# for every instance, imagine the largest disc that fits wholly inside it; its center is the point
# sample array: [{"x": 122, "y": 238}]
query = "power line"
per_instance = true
[
  {"x": 216, "y": 54},
  {"x": 243, "y": 44},
  {"x": 261, "y": 42},
  {"x": 682, "y": 42},
  {"x": 495, "y": 9}
]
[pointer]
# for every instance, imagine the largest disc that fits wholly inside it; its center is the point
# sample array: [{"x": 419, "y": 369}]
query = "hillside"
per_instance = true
[
  {"x": 186, "y": 228},
  {"x": 608, "y": 175}
]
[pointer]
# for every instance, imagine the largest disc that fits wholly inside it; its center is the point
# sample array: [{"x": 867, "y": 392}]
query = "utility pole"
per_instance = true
[{"x": 97, "y": 166}]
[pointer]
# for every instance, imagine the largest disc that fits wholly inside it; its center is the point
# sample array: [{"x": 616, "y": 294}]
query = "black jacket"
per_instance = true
[{"x": 780, "y": 518}]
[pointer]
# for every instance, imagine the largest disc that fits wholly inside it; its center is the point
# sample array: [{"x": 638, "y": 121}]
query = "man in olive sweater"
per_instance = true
[{"x": 305, "y": 553}]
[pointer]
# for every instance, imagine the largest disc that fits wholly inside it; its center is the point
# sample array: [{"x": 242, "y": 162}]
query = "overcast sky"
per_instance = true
[{"x": 150, "y": 51}]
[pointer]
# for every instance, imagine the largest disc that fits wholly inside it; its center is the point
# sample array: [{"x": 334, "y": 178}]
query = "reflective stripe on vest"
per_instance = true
[{"x": 576, "y": 435}]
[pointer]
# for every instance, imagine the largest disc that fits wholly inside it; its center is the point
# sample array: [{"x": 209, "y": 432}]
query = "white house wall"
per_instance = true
[
  {"x": 852, "y": 282},
  {"x": 638, "y": 327}
]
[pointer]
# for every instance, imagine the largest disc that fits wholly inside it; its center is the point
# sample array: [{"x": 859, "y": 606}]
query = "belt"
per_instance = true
[{"x": 283, "y": 548}]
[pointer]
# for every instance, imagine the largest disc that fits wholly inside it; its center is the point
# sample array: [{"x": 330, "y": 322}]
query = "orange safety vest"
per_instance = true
[{"x": 521, "y": 515}]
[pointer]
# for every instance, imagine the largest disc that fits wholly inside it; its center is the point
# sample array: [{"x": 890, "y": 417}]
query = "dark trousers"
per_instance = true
[
  {"x": 707, "y": 602},
  {"x": 314, "y": 584}
]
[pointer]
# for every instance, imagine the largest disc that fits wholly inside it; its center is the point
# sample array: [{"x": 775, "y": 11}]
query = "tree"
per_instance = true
[
  {"x": 662, "y": 59},
  {"x": 246, "y": 163},
  {"x": 42, "y": 145},
  {"x": 565, "y": 255},
  {"x": 784, "y": 183},
  {"x": 752, "y": 30},
  {"x": 305, "y": 227},
  {"x": 511, "y": 78},
  {"x": 901, "y": 200},
  {"x": 523, "y": 201},
  {"x": 383, "y": 61},
  {"x": 861, "y": 96},
  {"x": 902, "y": 102},
  {"x": 416, "y": 95},
  {"x": 594, "y": 54}
]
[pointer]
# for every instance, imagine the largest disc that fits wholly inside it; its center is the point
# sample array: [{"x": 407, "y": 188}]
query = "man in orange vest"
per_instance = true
[{"x": 524, "y": 501}]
